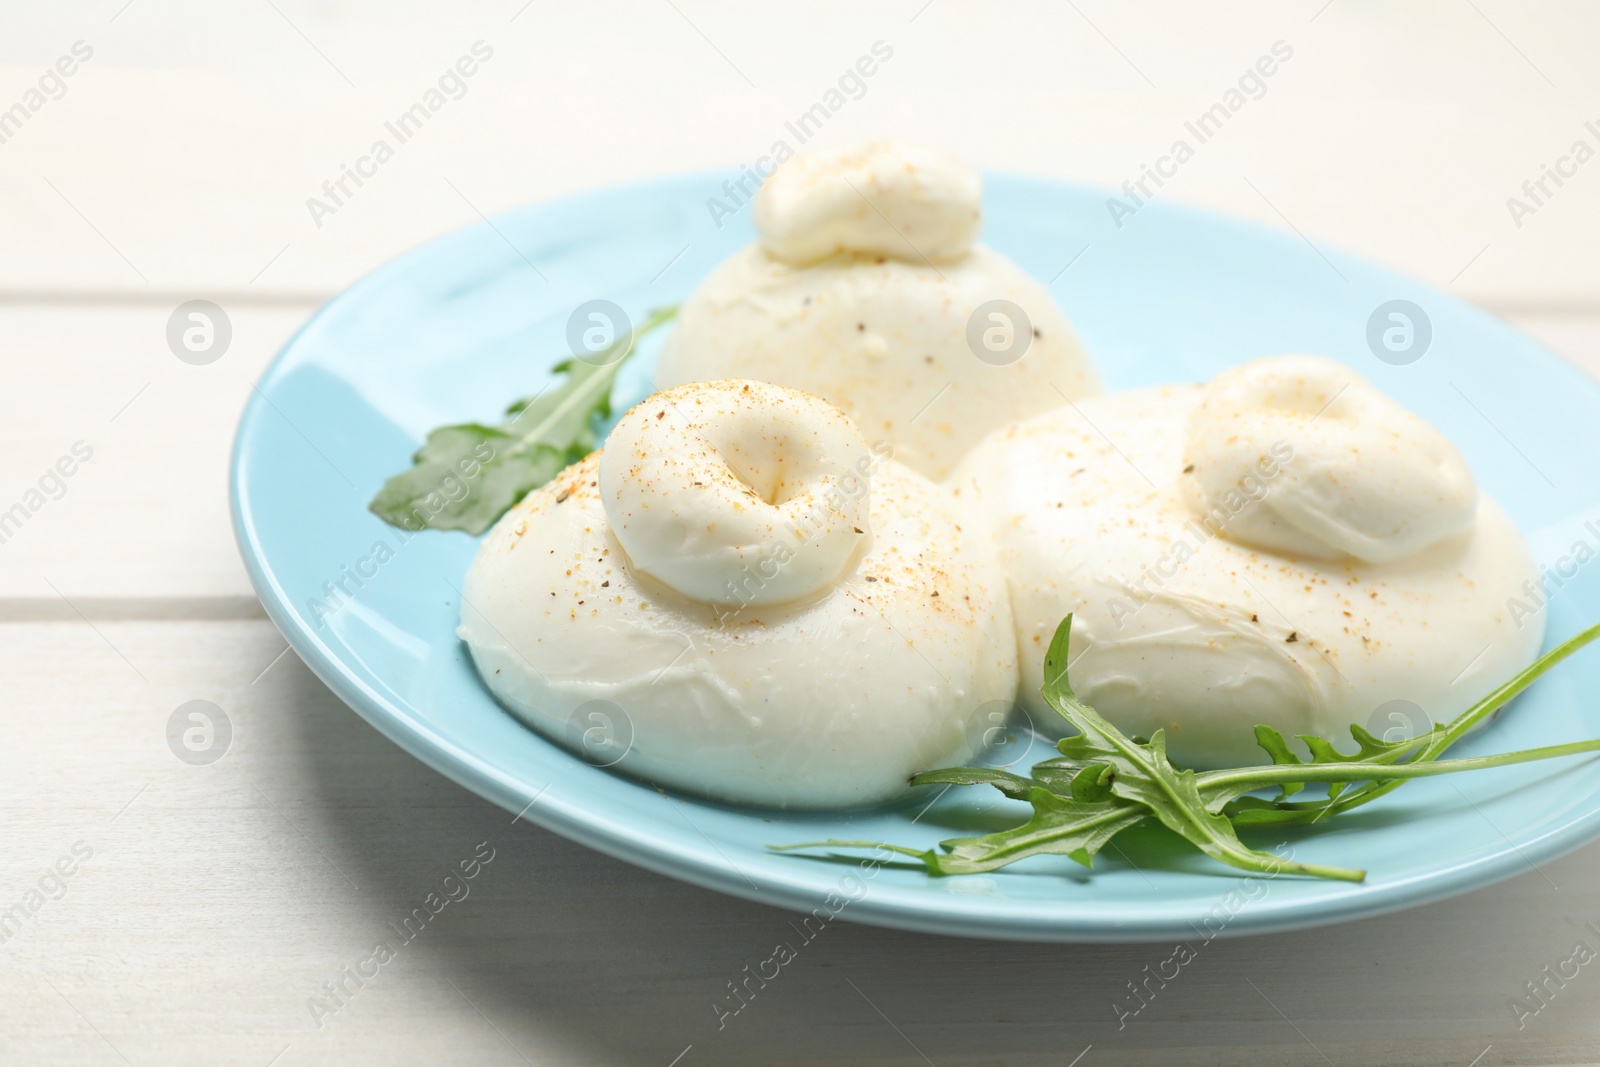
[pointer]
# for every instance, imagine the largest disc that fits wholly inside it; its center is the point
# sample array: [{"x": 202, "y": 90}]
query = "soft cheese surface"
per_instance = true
[
  {"x": 1185, "y": 621},
  {"x": 831, "y": 699},
  {"x": 867, "y": 289}
]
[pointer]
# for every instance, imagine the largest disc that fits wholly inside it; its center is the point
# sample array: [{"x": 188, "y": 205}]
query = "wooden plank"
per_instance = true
[
  {"x": 146, "y": 515},
  {"x": 146, "y": 519},
  {"x": 1397, "y": 131},
  {"x": 220, "y": 898}
]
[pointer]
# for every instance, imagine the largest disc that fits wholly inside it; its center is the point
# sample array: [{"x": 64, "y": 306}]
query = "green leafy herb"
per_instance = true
[
  {"x": 1060, "y": 825},
  {"x": 1015, "y": 786},
  {"x": 1429, "y": 746},
  {"x": 466, "y": 476},
  {"x": 1142, "y": 774},
  {"x": 1105, "y": 782}
]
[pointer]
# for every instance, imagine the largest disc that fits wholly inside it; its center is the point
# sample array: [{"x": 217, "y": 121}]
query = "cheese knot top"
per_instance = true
[
  {"x": 1361, "y": 476},
  {"x": 738, "y": 491},
  {"x": 887, "y": 198}
]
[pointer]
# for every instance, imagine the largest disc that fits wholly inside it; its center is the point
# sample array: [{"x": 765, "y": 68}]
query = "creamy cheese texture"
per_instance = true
[
  {"x": 867, "y": 288},
  {"x": 1282, "y": 546},
  {"x": 740, "y": 597},
  {"x": 887, "y": 198},
  {"x": 1369, "y": 478},
  {"x": 700, "y": 490}
]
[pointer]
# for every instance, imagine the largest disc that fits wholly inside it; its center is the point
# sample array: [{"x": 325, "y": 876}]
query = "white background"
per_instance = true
[{"x": 177, "y": 165}]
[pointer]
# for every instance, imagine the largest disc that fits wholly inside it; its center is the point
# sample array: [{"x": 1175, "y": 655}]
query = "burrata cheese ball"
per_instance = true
[
  {"x": 1283, "y": 546},
  {"x": 740, "y": 597},
  {"x": 868, "y": 288}
]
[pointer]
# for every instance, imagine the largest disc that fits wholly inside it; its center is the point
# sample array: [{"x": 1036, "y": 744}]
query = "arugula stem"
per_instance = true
[
  {"x": 1315, "y": 870},
  {"x": 835, "y": 843},
  {"x": 1023, "y": 844},
  {"x": 1275, "y": 774},
  {"x": 586, "y": 395},
  {"x": 1449, "y": 736},
  {"x": 1020, "y": 844},
  {"x": 1518, "y": 682}
]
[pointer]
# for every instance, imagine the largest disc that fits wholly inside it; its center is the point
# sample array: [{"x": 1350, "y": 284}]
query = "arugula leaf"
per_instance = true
[
  {"x": 1370, "y": 749},
  {"x": 1082, "y": 781},
  {"x": 1428, "y": 747},
  {"x": 1012, "y": 785},
  {"x": 464, "y": 477},
  {"x": 1105, "y": 782},
  {"x": 1143, "y": 774},
  {"x": 1059, "y": 826},
  {"x": 1111, "y": 782}
]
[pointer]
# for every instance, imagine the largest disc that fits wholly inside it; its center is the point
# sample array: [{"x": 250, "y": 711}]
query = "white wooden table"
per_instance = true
[{"x": 215, "y": 902}]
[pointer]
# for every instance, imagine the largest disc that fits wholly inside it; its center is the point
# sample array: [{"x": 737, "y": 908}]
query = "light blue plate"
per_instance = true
[{"x": 456, "y": 329}]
